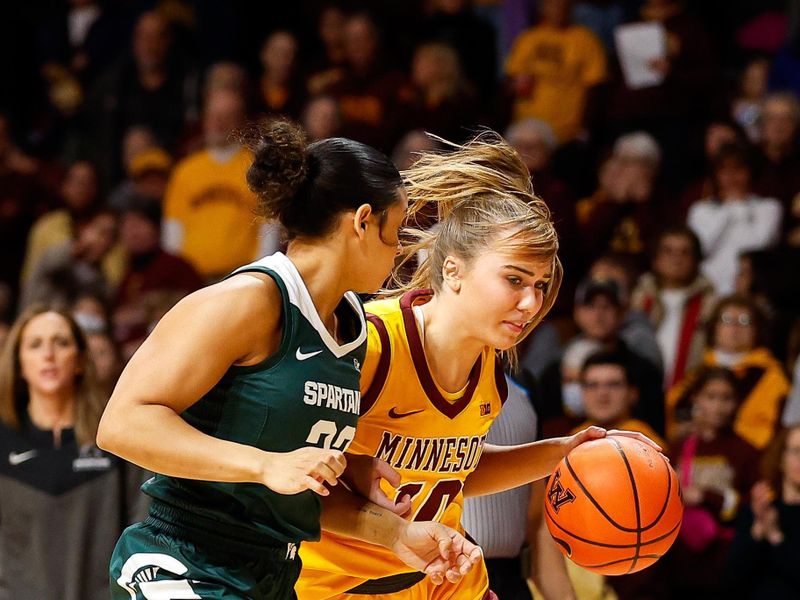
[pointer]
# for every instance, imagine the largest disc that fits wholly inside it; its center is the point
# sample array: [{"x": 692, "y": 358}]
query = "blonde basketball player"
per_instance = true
[{"x": 432, "y": 381}]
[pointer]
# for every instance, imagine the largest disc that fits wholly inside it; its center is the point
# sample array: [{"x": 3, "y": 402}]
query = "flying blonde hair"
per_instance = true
[{"x": 481, "y": 198}]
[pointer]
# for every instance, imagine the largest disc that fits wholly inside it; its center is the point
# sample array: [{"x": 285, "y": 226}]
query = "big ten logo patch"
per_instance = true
[{"x": 558, "y": 495}]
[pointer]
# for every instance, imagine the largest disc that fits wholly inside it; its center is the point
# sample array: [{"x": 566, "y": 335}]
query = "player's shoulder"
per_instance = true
[
  {"x": 385, "y": 319},
  {"x": 243, "y": 298},
  {"x": 383, "y": 307}
]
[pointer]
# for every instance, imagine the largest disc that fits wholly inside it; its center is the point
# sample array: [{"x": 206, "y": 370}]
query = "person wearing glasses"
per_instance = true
[
  {"x": 736, "y": 341},
  {"x": 610, "y": 394}
]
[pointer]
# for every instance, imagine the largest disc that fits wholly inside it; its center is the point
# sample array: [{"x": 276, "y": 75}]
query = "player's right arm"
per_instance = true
[{"x": 236, "y": 322}]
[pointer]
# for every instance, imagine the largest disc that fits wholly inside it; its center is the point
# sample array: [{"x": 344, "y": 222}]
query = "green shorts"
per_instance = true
[{"x": 151, "y": 562}]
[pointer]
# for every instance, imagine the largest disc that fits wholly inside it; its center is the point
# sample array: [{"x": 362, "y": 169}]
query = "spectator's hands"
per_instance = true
[
  {"x": 612, "y": 182},
  {"x": 692, "y": 495},
  {"x": 640, "y": 185},
  {"x": 765, "y": 516}
]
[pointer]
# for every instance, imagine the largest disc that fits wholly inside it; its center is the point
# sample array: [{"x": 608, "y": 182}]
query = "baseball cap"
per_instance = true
[{"x": 154, "y": 159}]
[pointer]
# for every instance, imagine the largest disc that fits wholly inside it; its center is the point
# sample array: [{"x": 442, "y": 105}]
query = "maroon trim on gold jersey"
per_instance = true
[
  {"x": 449, "y": 409},
  {"x": 500, "y": 379},
  {"x": 369, "y": 397}
]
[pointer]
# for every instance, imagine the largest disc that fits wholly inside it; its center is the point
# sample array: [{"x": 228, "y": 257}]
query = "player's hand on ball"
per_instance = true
[
  {"x": 586, "y": 435},
  {"x": 364, "y": 474},
  {"x": 437, "y": 550},
  {"x": 303, "y": 469},
  {"x": 595, "y": 433},
  {"x": 635, "y": 435}
]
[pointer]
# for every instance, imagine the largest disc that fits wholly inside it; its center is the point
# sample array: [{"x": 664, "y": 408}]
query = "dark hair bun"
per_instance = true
[{"x": 280, "y": 165}]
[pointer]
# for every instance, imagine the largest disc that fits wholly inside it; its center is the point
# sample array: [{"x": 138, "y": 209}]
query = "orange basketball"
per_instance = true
[{"x": 613, "y": 505}]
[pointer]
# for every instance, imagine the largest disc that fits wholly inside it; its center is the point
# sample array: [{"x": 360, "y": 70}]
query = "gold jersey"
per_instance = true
[{"x": 433, "y": 438}]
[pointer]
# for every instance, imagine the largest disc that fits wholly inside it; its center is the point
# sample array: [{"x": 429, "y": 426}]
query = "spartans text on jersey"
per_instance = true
[{"x": 333, "y": 396}]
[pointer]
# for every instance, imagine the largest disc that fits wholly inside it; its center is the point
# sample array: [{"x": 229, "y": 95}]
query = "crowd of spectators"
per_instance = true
[{"x": 122, "y": 189}]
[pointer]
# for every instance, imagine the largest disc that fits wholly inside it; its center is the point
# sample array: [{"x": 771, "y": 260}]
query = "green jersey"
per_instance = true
[{"x": 306, "y": 394}]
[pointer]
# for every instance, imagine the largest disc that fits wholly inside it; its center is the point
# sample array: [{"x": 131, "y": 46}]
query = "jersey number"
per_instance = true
[
  {"x": 437, "y": 500},
  {"x": 323, "y": 434}
]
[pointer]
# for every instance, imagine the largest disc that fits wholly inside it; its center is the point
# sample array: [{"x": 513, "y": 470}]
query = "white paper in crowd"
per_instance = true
[{"x": 638, "y": 45}]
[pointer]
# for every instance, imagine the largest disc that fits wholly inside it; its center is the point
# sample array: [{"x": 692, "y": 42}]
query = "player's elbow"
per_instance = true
[
  {"x": 109, "y": 432},
  {"x": 105, "y": 438}
]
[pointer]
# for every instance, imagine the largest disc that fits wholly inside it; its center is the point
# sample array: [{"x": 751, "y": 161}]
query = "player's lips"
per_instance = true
[{"x": 515, "y": 327}]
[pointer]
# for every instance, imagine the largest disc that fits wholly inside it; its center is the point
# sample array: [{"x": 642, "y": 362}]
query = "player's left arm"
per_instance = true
[
  {"x": 503, "y": 468},
  {"x": 432, "y": 548}
]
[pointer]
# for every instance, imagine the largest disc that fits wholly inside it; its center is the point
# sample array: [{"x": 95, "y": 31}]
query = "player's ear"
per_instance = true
[
  {"x": 360, "y": 220},
  {"x": 452, "y": 270}
]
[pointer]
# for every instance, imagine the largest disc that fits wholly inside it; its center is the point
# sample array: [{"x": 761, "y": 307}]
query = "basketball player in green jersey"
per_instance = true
[{"x": 246, "y": 394}]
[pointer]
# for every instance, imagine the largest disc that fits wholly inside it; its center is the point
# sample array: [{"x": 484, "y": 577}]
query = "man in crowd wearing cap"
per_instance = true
[
  {"x": 154, "y": 279},
  {"x": 599, "y": 313},
  {"x": 148, "y": 174}
]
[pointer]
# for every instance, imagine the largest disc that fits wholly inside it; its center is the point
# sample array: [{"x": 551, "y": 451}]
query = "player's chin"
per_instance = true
[
  {"x": 504, "y": 339},
  {"x": 508, "y": 335}
]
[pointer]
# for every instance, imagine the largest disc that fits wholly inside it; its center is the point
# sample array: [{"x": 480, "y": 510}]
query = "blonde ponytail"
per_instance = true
[{"x": 480, "y": 197}]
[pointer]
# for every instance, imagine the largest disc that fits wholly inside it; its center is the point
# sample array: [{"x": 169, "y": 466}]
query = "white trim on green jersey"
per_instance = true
[{"x": 299, "y": 296}]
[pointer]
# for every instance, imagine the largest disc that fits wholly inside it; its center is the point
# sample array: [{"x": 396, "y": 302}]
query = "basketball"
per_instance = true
[{"x": 613, "y": 505}]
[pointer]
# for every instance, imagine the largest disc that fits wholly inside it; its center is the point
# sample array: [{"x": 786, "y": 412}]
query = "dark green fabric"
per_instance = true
[
  {"x": 269, "y": 406},
  {"x": 151, "y": 564}
]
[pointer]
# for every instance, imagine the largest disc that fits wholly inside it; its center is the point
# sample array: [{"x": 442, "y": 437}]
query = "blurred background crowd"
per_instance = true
[{"x": 677, "y": 203}]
